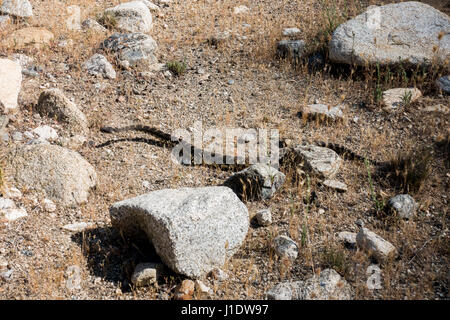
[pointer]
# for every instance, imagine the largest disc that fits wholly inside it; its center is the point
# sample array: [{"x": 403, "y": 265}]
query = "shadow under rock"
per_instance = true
[{"x": 111, "y": 257}]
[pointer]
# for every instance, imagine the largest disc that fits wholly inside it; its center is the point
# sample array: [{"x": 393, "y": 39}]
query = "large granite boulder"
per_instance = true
[
  {"x": 408, "y": 32},
  {"x": 194, "y": 230}
]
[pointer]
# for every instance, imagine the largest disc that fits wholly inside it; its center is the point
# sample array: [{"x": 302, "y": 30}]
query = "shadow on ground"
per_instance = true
[{"x": 112, "y": 257}]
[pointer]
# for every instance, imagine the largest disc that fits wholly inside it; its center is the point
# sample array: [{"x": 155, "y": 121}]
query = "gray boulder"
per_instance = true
[
  {"x": 329, "y": 285},
  {"x": 403, "y": 205},
  {"x": 131, "y": 47},
  {"x": 18, "y": 8},
  {"x": 323, "y": 162},
  {"x": 131, "y": 16},
  {"x": 285, "y": 247},
  {"x": 259, "y": 181},
  {"x": 194, "y": 230},
  {"x": 99, "y": 65},
  {"x": 54, "y": 104},
  {"x": 63, "y": 175},
  {"x": 444, "y": 83},
  {"x": 407, "y": 32}
]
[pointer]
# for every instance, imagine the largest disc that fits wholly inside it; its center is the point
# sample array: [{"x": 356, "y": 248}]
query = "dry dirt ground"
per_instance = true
[{"x": 266, "y": 93}]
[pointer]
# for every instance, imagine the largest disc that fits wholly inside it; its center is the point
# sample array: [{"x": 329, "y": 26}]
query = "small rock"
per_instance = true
[
  {"x": 291, "y": 49},
  {"x": 74, "y": 143},
  {"x": 329, "y": 285},
  {"x": 91, "y": 24},
  {"x": 6, "y": 204},
  {"x": 403, "y": 205},
  {"x": 146, "y": 274},
  {"x": 77, "y": 227},
  {"x": 394, "y": 99},
  {"x": 17, "y": 136},
  {"x": 185, "y": 290},
  {"x": 336, "y": 185},
  {"x": 259, "y": 181},
  {"x": 49, "y": 205},
  {"x": 13, "y": 193},
  {"x": 13, "y": 214},
  {"x": 241, "y": 9},
  {"x": 73, "y": 274},
  {"x": 219, "y": 274},
  {"x": 443, "y": 83},
  {"x": 290, "y": 31},
  {"x": 349, "y": 238},
  {"x": 285, "y": 247},
  {"x": 202, "y": 288},
  {"x": 440, "y": 108},
  {"x": 374, "y": 245},
  {"x": 323, "y": 162},
  {"x": 47, "y": 133},
  {"x": 135, "y": 48},
  {"x": 99, "y": 65},
  {"x": 324, "y": 112},
  {"x": 264, "y": 217}
]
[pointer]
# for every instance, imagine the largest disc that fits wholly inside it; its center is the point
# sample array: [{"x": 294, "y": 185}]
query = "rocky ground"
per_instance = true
[{"x": 364, "y": 230}]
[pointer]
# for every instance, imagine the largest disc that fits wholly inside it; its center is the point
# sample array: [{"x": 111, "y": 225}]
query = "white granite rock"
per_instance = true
[{"x": 194, "y": 230}]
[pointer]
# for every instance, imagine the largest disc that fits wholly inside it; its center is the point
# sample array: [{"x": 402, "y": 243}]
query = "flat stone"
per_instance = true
[
  {"x": 323, "y": 162},
  {"x": 329, "y": 285},
  {"x": 13, "y": 214},
  {"x": 324, "y": 112},
  {"x": 29, "y": 37},
  {"x": 394, "y": 99},
  {"x": 77, "y": 226},
  {"x": 194, "y": 230},
  {"x": 290, "y": 32},
  {"x": 439, "y": 108},
  {"x": 336, "y": 185},
  {"x": 131, "y": 47}
]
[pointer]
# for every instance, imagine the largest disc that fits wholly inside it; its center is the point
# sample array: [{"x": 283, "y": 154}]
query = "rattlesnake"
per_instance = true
[{"x": 346, "y": 153}]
